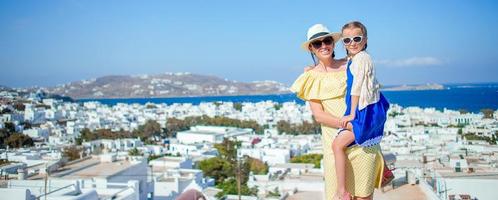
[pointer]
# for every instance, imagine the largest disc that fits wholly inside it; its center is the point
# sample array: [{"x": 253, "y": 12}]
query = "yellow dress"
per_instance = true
[{"x": 365, "y": 164}]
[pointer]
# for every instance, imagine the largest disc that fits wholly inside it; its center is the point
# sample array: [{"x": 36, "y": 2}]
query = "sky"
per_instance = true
[{"x": 45, "y": 43}]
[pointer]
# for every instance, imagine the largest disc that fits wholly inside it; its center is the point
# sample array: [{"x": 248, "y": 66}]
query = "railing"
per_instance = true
[{"x": 59, "y": 189}]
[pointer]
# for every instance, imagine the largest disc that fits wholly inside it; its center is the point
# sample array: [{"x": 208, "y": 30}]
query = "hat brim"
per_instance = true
[{"x": 335, "y": 36}]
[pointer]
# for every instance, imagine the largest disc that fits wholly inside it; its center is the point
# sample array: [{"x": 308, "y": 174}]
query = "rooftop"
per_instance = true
[
  {"x": 467, "y": 175},
  {"x": 407, "y": 192},
  {"x": 201, "y": 132},
  {"x": 305, "y": 195},
  {"x": 100, "y": 170},
  {"x": 294, "y": 165},
  {"x": 88, "y": 168}
]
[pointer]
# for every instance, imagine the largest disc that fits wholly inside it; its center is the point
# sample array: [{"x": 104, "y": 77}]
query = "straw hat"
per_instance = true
[{"x": 319, "y": 31}]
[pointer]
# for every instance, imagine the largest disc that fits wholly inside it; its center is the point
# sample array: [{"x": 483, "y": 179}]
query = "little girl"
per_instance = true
[{"x": 366, "y": 106}]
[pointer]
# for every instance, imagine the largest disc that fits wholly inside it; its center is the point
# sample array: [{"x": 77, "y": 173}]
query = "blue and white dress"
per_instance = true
[{"x": 371, "y": 112}]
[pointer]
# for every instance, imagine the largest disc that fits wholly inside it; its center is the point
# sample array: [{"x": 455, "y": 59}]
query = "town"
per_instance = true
[{"x": 54, "y": 149}]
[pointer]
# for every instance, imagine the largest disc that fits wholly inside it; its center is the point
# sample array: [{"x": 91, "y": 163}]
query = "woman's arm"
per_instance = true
[{"x": 323, "y": 117}]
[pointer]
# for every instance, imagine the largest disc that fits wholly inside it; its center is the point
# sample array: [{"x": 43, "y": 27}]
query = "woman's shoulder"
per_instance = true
[{"x": 314, "y": 84}]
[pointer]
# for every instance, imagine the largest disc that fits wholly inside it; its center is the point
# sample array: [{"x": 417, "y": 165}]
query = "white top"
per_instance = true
[{"x": 365, "y": 84}]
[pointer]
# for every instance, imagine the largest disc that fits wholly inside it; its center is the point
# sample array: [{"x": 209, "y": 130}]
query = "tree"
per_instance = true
[
  {"x": 18, "y": 140},
  {"x": 72, "y": 153},
  {"x": 10, "y": 127},
  {"x": 283, "y": 127},
  {"x": 227, "y": 149},
  {"x": 488, "y": 113},
  {"x": 297, "y": 129},
  {"x": 153, "y": 157},
  {"x": 27, "y": 125},
  {"x": 394, "y": 114},
  {"x": 134, "y": 152},
  {"x": 174, "y": 125},
  {"x": 43, "y": 106},
  {"x": 257, "y": 166},
  {"x": 308, "y": 158},
  {"x": 217, "y": 168},
  {"x": 87, "y": 135},
  {"x": 237, "y": 106},
  {"x": 274, "y": 193},
  {"x": 4, "y": 161},
  {"x": 19, "y": 106},
  {"x": 225, "y": 168},
  {"x": 4, "y": 134},
  {"x": 229, "y": 186},
  {"x": 5, "y": 111},
  {"x": 78, "y": 141},
  {"x": 150, "y": 128}
]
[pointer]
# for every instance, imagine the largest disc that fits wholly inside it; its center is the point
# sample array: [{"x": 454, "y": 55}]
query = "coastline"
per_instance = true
[{"x": 452, "y": 98}]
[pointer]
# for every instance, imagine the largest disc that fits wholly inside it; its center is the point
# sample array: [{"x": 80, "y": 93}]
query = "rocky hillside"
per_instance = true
[
  {"x": 428, "y": 86},
  {"x": 163, "y": 85}
]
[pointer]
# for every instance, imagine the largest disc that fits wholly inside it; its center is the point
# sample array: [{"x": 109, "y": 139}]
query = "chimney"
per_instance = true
[{"x": 21, "y": 174}]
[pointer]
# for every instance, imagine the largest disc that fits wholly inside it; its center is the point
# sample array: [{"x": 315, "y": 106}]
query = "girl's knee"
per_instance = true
[{"x": 337, "y": 146}]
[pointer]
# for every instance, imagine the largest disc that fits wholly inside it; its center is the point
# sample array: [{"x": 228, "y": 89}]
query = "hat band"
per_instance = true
[{"x": 318, "y": 35}]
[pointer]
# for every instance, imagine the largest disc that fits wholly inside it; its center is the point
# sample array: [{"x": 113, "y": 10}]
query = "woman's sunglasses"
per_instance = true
[
  {"x": 356, "y": 39},
  {"x": 318, "y": 43}
]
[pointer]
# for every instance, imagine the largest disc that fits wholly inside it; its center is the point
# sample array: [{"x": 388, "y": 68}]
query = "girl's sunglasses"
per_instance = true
[
  {"x": 356, "y": 39},
  {"x": 318, "y": 43}
]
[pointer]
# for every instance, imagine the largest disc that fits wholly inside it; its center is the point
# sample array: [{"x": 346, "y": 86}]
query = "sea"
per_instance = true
[{"x": 469, "y": 97}]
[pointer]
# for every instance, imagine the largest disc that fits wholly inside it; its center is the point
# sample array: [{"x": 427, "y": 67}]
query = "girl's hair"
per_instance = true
[
  {"x": 356, "y": 24},
  {"x": 313, "y": 55}
]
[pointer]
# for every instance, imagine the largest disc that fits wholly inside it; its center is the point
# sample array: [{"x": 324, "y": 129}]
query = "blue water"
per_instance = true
[{"x": 472, "y": 97}]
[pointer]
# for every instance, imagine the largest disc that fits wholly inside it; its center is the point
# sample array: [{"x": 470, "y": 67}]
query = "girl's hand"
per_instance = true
[
  {"x": 349, "y": 126},
  {"x": 345, "y": 120}
]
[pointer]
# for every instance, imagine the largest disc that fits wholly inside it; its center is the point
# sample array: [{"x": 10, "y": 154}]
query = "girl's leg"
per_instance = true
[{"x": 339, "y": 146}]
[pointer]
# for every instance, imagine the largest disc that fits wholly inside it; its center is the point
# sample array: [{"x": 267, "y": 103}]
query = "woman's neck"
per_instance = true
[{"x": 328, "y": 64}]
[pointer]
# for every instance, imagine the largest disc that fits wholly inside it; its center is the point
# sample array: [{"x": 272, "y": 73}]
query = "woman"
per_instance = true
[{"x": 324, "y": 87}]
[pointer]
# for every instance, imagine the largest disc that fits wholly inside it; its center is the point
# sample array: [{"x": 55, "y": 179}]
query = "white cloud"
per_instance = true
[{"x": 408, "y": 62}]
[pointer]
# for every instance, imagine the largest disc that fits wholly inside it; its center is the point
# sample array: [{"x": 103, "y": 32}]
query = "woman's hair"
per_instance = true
[
  {"x": 313, "y": 55},
  {"x": 356, "y": 24}
]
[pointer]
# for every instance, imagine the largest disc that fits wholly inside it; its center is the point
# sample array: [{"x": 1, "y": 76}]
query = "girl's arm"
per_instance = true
[
  {"x": 354, "y": 104},
  {"x": 360, "y": 67},
  {"x": 325, "y": 118},
  {"x": 352, "y": 113}
]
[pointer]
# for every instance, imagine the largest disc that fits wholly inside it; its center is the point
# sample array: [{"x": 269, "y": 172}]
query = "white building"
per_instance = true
[
  {"x": 210, "y": 134},
  {"x": 476, "y": 185},
  {"x": 172, "y": 182},
  {"x": 172, "y": 163},
  {"x": 37, "y": 133}
]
